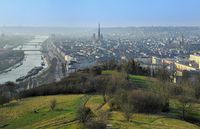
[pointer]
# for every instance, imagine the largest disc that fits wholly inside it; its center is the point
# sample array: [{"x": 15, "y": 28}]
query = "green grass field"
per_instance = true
[
  {"x": 139, "y": 81},
  {"x": 193, "y": 111},
  {"x": 35, "y": 113},
  {"x": 95, "y": 102},
  {"x": 143, "y": 121}
]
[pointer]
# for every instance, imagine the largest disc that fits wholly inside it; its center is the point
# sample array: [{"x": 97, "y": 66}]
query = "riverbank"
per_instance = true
[
  {"x": 10, "y": 59},
  {"x": 32, "y": 58}
]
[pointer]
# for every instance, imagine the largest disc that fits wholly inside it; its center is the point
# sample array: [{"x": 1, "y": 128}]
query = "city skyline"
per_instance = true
[{"x": 110, "y": 13}]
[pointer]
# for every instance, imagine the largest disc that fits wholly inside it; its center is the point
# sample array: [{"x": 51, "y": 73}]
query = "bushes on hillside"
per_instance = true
[
  {"x": 80, "y": 83},
  {"x": 127, "y": 109},
  {"x": 96, "y": 125},
  {"x": 197, "y": 92},
  {"x": 119, "y": 98},
  {"x": 130, "y": 67},
  {"x": 163, "y": 74},
  {"x": 96, "y": 70},
  {"x": 117, "y": 81},
  {"x": 8, "y": 91},
  {"x": 146, "y": 102},
  {"x": 133, "y": 67},
  {"x": 139, "y": 101},
  {"x": 176, "y": 90},
  {"x": 84, "y": 114},
  {"x": 186, "y": 98},
  {"x": 185, "y": 104},
  {"x": 110, "y": 65},
  {"x": 74, "y": 84},
  {"x": 4, "y": 100}
]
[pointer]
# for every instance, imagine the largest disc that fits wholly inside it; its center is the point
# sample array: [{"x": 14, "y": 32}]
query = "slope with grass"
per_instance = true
[
  {"x": 138, "y": 121},
  {"x": 138, "y": 81},
  {"x": 153, "y": 84},
  {"x": 143, "y": 121},
  {"x": 35, "y": 113}
]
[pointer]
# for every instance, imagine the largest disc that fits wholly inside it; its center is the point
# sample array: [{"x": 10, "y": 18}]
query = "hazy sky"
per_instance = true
[{"x": 81, "y": 13}]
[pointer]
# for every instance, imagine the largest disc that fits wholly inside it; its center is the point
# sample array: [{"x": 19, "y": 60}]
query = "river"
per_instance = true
[{"x": 32, "y": 59}]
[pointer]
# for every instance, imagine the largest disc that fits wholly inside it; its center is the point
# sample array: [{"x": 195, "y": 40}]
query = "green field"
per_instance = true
[
  {"x": 143, "y": 121},
  {"x": 139, "y": 81},
  {"x": 35, "y": 113}
]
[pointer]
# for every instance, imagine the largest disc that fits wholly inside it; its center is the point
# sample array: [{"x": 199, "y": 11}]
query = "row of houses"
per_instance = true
[{"x": 190, "y": 65}]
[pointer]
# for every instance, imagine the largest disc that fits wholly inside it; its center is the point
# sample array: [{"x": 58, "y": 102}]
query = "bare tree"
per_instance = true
[
  {"x": 127, "y": 109},
  {"x": 185, "y": 104},
  {"x": 186, "y": 98},
  {"x": 84, "y": 114}
]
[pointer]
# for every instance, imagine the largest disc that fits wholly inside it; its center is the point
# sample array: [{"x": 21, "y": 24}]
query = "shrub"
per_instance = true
[
  {"x": 127, "y": 109},
  {"x": 197, "y": 92},
  {"x": 165, "y": 106},
  {"x": 176, "y": 90},
  {"x": 113, "y": 104},
  {"x": 118, "y": 100},
  {"x": 96, "y": 70},
  {"x": 133, "y": 67},
  {"x": 84, "y": 114},
  {"x": 96, "y": 125},
  {"x": 76, "y": 83},
  {"x": 52, "y": 104},
  {"x": 185, "y": 104},
  {"x": 4, "y": 100},
  {"x": 146, "y": 102}
]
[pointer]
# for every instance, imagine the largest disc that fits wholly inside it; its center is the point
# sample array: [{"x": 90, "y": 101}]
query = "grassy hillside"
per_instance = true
[
  {"x": 153, "y": 84},
  {"x": 139, "y": 81},
  {"x": 35, "y": 113},
  {"x": 142, "y": 121}
]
